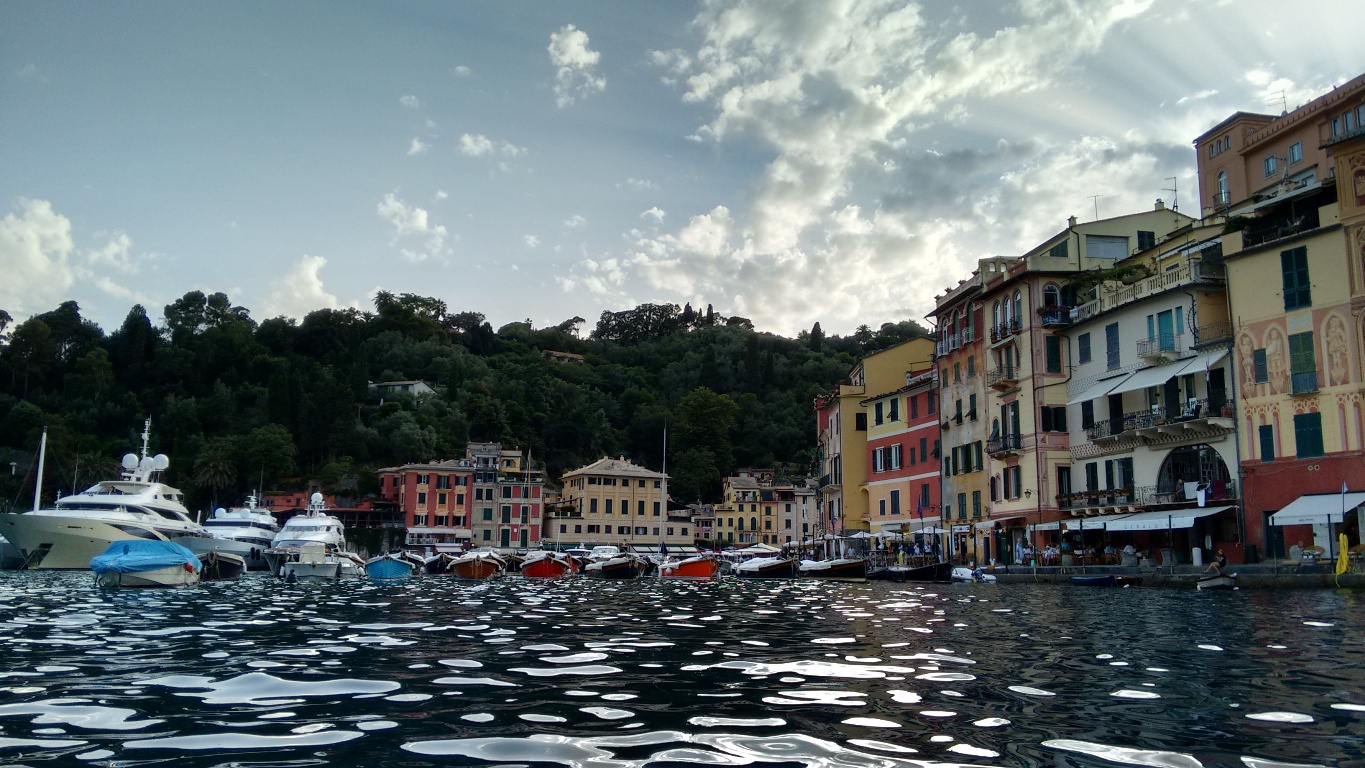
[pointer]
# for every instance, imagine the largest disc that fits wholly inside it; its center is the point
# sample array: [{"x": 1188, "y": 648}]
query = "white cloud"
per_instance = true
[
  {"x": 415, "y": 237},
  {"x": 461, "y": 71},
  {"x": 299, "y": 290},
  {"x": 411, "y": 102},
  {"x": 575, "y": 64},
  {"x": 478, "y": 145},
  {"x": 441, "y": 194},
  {"x": 531, "y": 241},
  {"x": 26, "y": 71},
  {"x": 1199, "y": 96},
  {"x": 417, "y": 147},
  {"x": 116, "y": 254},
  {"x": 653, "y": 213},
  {"x": 641, "y": 184},
  {"x": 575, "y": 222},
  {"x": 36, "y": 249}
]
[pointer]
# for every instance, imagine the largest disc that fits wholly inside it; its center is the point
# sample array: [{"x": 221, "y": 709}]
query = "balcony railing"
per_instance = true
[
  {"x": 1279, "y": 228},
  {"x": 1207, "y": 269},
  {"x": 1147, "y": 495},
  {"x": 968, "y": 336},
  {"x": 1003, "y": 444},
  {"x": 1006, "y": 329},
  {"x": 1159, "y": 416},
  {"x": 1162, "y": 345},
  {"x": 1003, "y": 377},
  {"x": 1212, "y": 333},
  {"x": 1303, "y": 383},
  {"x": 1055, "y": 317}
]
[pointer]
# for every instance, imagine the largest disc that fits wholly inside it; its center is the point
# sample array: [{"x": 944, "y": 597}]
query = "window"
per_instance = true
[
  {"x": 1221, "y": 196},
  {"x": 895, "y": 502},
  {"x": 1146, "y": 239},
  {"x": 980, "y": 465},
  {"x": 1303, "y": 366},
  {"x": 488, "y": 514},
  {"x": 1058, "y": 250},
  {"x": 860, "y": 422},
  {"x": 1295, "y": 153},
  {"x": 896, "y": 456},
  {"x": 1267, "y": 435},
  {"x": 995, "y": 315},
  {"x": 1083, "y": 348},
  {"x": 957, "y": 373},
  {"x": 592, "y": 506},
  {"x": 1294, "y": 271},
  {"x": 1018, "y": 307},
  {"x": 1053, "y": 344},
  {"x": 995, "y": 488},
  {"x": 608, "y": 505},
  {"x": 914, "y": 407},
  {"x": 929, "y": 397},
  {"x": 1092, "y": 476},
  {"x": 971, "y": 406},
  {"x": 1106, "y": 247},
  {"x": 976, "y": 503},
  {"x": 895, "y": 409},
  {"x": 1268, "y": 165},
  {"x": 421, "y": 497},
  {"x": 1052, "y": 296},
  {"x": 878, "y": 462},
  {"x": 1013, "y": 482},
  {"x": 1262, "y": 373},
  {"x": 1111, "y": 345},
  {"x": 1053, "y": 418},
  {"x": 1087, "y": 414},
  {"x": 962, "y": 506},
  {"x": 971, "y": 366},
  {"x": 1308, "y": 434}
]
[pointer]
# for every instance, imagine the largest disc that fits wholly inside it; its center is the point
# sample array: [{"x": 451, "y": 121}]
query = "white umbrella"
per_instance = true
[{"x": 859, "y": 535}]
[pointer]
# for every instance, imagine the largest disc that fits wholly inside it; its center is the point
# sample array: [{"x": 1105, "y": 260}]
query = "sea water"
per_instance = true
[{"x": 599, "y": 674}]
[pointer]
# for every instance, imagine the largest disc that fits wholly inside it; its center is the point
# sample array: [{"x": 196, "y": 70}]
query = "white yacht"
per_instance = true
[
  {"x": 314, "y": 526},
  {"x": 83, "y": 525},
  {"x": 246, "y": 531}
]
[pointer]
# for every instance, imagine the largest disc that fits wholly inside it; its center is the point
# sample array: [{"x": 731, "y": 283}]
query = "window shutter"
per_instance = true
[
  {"x": 1047, "y": 418},
  {"x": 1267, "y": 435},
  {"x": 1262, "y": 371}
]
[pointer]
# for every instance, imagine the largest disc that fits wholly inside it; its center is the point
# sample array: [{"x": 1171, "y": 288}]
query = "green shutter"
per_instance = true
[
  {"x": 1294, "y": 272},
  {"x": 1301, "y": 358},
  {"x": 1308, "y": 435},
  {"x": 1262, "y": 371},
  {"x": 1267, "y": 435}
]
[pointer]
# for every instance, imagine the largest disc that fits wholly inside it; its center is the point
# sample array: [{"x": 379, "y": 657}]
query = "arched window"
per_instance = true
[
  {"x": 1008, "y": 312},
  {"x": 1052, "y": 296},
  {"x": 1018, "y": 306},
  {"x": 753, "y": 523},
  {"x": 952, "y": 324},
  {"x": 741, "y": 524},
  {"x": 995, "y": 315},
  {"x": 1222, "y": 188}
]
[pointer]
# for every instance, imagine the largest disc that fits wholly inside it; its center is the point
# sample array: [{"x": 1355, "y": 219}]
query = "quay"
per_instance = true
[{"x": 1254, "y": 576}]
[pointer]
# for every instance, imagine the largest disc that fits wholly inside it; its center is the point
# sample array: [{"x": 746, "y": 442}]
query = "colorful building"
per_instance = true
[
  {"x": 902, "y": 436},
  {"x": 841, "y": 427},
  {"x": 615, "y": 502}
]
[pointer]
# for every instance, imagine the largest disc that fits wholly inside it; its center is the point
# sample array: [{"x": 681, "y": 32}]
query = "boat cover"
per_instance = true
[{"x": 142, "y": 555}]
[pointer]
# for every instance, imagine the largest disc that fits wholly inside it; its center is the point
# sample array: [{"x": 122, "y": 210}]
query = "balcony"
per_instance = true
[
  {"x": 1146, "y": 497},
  {"x": 1004, "y": 377},
  {"x": 1213, "y": 333},
  {"x": 1193, "y": 413},
  {"x": 1164, "y": 346},
  {"x": 1004, "y": 445},
  {"x": 1206, "y": 270},
  {"x": 1005, "y": 330},
  {"x": 1279, "y": 228},
  {"x": 1055, "y": 317},
  {"x": 968, "y": 336},
  {"x": 1303, "y": 383}
]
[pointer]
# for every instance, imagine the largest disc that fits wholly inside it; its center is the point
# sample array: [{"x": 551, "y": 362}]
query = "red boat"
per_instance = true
[
  {"x": 477, "y": 565},
  {"x": 548, "y": 565},
  {"x": 697, "y": 567}
]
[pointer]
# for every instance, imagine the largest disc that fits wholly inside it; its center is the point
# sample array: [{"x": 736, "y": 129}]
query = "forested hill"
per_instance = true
[{"x": 238, "y": 403}]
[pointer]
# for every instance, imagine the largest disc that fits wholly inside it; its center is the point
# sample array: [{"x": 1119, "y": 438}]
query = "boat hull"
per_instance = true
[
  {"x": 222, "y": 566},
  {"x": 475, "y": 568},
  {"x": 388, "y": 568},
  {"x": 847, "y": 570},
  {"x": 691, "y": 569},
  {"x": 1217, "y": 582},
  {"x": 62, "y": 542},
  {"x": 778, "y": 568},
  {"x": 309, "y": 572},
  {"x": 549, "y": 567},
  {"x": 252, "y": 552},
  {"x": 170, "y": 576},
  {"x": 615, "y": 568}
]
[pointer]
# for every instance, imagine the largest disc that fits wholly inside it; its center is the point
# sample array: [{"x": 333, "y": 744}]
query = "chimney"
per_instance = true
[
  {"x": 1071, "y": 222},
  {"x": 1160, "y": 204}
]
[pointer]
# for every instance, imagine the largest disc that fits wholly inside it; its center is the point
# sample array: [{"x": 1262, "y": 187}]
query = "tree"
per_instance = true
[
  {"x": 5, "y": 321},
  {"x": 215, "y": 469},
  {"x": 817, "y": 337},
  {"x": 268, "y": 452}
]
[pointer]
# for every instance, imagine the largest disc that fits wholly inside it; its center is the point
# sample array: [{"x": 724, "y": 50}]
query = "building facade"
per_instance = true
[
  {"x": 902, "y": 469},
  {"x": 619, "y": 503}
]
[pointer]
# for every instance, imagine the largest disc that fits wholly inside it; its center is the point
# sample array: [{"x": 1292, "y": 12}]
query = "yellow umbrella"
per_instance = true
[{"x": 1343, "y": 557}]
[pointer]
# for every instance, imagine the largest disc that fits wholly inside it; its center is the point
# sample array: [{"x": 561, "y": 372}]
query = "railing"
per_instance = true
[
  {"x": 1006, "y": 329},
  {"x": 1147, "y": 495},
  {"x": 1303, "y": 383},
  {"x": 1279, "y": 228},
  {"x": 1003, "y": 376},
  {"x": 1157, "y": 416},
  {"x": 1212, "y": 333},
  {"x": 941, "y": 348},
  {"x": 1055, "y": 317},
  {"x": 1159, "y": 345},
  {"x": 968, "y": 336},
  {"x": 1111, "y": 295},
  {"x": 1003, "y": 444}
]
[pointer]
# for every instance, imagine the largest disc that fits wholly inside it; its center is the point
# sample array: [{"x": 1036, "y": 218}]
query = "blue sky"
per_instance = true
[{"x": 838, "y": 161}]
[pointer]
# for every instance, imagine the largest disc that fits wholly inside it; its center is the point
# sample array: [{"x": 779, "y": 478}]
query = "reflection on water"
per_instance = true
[{"x": 621, "y": 674}]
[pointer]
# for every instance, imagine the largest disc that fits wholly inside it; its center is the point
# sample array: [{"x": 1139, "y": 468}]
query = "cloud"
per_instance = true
[
  {"x": 653, "y": 213},
  {"x": 416, "y": 147},
  {"x": 531, "y": 241},
  {"x": 478, "y": 145},
  {"x": 415, "y": 237},
  {"x": 461, "y": 71},
  {"x": 26, "y": 71},
  {"x": 441, "y": 194},
  {"x": 36, "y": 249},
  {"x": 575, "y": 222},
  {"x": 575, "y": 65},
  {"x": 644, "y": 185},
  {"x": 116, "y": 254},
  {"x": 411, "y": 102},
  {"x": 299, "y": 290},
  {"x": 1200, "y": 96}
]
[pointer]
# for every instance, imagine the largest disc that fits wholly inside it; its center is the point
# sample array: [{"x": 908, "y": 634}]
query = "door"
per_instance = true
[
  {"x": 1170, "y": 396},
  {"x": 506, "y": 537},
  {"x": 1218, "y": 391},
  {"x": 1274, "y": 537},
  {"x": 1165, "y": 328},
  {"x": 1115, "y": 414}
]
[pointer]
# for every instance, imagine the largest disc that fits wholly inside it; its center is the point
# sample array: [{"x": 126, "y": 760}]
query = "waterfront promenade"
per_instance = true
[{"x": 1250, "y": 576}]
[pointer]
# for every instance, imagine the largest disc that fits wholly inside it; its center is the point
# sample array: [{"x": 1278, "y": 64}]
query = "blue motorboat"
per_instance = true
[
  {"x": 390, "y": 566},
  {"x": 146, "y": 563}
]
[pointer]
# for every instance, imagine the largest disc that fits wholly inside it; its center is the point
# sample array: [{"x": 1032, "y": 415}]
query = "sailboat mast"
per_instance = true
[{"x": 38, "y": 481}]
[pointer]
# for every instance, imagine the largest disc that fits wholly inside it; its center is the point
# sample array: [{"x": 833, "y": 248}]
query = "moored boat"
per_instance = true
[
  {"x": 767, "y": 568},
  {"x": 701, "y": 567},
  {"x": 142, "y": 563},
  {"x": 975, "y": 575},
  {"x": 222, "y": 566},
  {"x": 1218, "y": 581},
  {"x": 315, "y": 525},
  {"x": 547, "y": 564},
  {"x": 847, "y": 568},
  {"x": 607, "y": 562},
  {"x": 246, "y": 531},
  {"x": 477, "y": 564},
  {"x": 311, "y": 562},
  {"x": 1106, "y": 580},
  {"x": 390, "y": 566}
]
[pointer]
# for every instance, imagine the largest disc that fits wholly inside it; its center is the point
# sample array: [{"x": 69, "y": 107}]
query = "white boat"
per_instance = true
[
  {"x": 246, "y": 531},
  {"x": 1217, "y": 581},
  {"x": 312, "y": 562},
  {"x": 963, "y": 573},
  {"x": 83, "y": 525},
  {"x": 607, "y": 562},
  {"x": 314, "y": 526},
  {"x": 142, "y": 563}
]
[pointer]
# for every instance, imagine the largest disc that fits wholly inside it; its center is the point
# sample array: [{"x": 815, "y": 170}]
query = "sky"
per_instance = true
[{"x": 831, "y": 161}]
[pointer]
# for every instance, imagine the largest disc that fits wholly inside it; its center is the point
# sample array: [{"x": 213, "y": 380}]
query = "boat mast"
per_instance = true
[
  {"x": 663, "y": 502},
  {"x": 38, "y": 481}
]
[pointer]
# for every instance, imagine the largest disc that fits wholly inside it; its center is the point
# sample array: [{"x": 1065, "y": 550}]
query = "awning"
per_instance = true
[
  {"x": 988, "y": 524},
  {"x": 1098, "y": 389},
  {"x": 1314, "y": 508},
  {"x": 1096, "y": 523},
  {"x": 1160, "y": 520},
  {"x": 1151, "y": 377},
  {"x": 1204, "y": 362}
]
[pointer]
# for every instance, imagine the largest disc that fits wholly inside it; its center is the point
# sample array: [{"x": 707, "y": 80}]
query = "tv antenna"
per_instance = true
[
  {"x": 1175, "y": 196},
  {"x": 1275, "y": 96},
  {"x": 1096, "y": 198}
]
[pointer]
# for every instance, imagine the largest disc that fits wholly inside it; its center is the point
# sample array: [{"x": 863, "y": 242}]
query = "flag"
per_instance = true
[
  {"x": 919, "y": 508},
  {"x": 1343, "y": 555}
]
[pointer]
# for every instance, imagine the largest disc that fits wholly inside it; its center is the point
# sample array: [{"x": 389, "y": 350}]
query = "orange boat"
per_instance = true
[
  {"x": 548, "y": 565},
  {"x": 477, "y": 565},
  {"x": 697, "y": 567}
]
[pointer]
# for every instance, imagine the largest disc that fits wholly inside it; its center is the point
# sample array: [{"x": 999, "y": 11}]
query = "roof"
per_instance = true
[
  {"x": 438, "y": 466},
  {"x": 616, "y": 468}
]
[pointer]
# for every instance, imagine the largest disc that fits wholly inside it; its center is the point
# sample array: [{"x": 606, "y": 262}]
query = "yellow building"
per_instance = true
[
  {"x": 841, "y": 425},
  {"x": 613, "y": 501}
]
